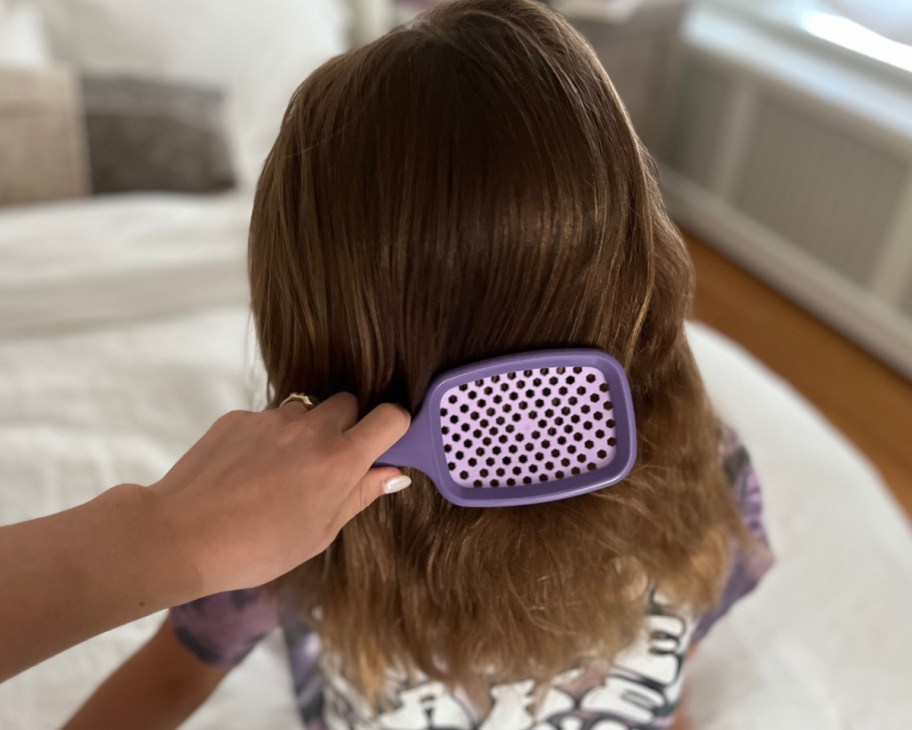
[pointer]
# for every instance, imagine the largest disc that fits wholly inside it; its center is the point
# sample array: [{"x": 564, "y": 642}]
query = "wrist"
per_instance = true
[{"x": 157, "y": 541}]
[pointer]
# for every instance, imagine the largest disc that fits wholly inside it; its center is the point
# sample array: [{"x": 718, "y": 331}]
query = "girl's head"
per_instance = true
[{"x": 469, "y": 185}]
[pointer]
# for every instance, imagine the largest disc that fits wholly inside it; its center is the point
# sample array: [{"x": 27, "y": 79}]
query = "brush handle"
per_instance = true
[{"x": 414, "y": 449}]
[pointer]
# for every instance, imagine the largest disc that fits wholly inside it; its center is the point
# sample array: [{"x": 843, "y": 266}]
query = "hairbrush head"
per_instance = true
[{"x": 521, "y": 429}]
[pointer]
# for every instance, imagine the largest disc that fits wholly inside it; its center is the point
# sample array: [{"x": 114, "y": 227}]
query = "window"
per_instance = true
[{"x": 890, "y": 18}]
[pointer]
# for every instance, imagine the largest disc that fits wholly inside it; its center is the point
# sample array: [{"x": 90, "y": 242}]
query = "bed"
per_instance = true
[{"x": 124, "y": 332}]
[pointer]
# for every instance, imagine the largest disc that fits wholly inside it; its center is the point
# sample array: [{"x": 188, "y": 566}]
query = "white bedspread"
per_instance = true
[{"x": 124, "y": 334}]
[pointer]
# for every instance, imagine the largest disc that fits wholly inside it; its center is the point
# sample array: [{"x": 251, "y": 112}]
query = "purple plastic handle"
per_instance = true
[{"x": 422, "y": 447}]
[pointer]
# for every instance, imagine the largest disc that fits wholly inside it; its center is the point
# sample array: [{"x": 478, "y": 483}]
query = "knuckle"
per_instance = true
[
  {"x": 298, "y": 432},
  {"x": 232, "y": 418},
  {"x": 348, "y": 400},
  {"x": 394, "y": 414}
]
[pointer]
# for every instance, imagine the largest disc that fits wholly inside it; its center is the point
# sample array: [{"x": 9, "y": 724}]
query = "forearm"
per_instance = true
[
  {"x": 257, "y": 495},
  {"x": 156, "y": 689},
  {"x": 680, "y": 718},
  {"x": 680, "y": 721},
  {"x": 72, "y": 575}
]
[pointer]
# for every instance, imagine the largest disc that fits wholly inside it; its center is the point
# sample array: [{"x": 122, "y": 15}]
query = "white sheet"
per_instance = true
[
  {"x": 826, "y": 640},
  {"x": 124, "y": 334}
]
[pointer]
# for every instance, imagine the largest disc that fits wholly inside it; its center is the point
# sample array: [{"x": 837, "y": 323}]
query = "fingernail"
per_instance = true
[{"x": 396, "y": 484}]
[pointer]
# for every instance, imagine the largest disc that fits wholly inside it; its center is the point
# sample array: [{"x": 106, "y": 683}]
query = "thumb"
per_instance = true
[{"x": 376, "y": 483}]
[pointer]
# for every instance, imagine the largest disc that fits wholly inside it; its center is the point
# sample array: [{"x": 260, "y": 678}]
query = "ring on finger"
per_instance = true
[{"x": 305, "y": 399}]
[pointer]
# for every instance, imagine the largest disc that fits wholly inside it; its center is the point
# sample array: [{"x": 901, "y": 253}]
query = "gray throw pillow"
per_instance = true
[{"x": 155, "y": 135}]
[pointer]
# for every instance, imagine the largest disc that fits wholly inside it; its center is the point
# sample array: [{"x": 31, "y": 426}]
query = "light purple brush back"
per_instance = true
[{"x": 528, "y": 426}]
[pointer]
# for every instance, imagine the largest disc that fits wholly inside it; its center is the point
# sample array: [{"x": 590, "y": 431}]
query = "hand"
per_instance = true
[{"x": 261, "y": 493}]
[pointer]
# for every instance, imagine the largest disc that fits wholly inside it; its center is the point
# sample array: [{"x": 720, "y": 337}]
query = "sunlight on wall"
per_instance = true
[{"x": 856, "y": 37}]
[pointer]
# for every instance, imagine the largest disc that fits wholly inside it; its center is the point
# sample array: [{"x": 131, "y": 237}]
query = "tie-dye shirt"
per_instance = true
[{"x": 640, "y": 690}]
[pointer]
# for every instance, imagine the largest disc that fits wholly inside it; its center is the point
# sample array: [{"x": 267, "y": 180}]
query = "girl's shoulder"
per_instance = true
[
  {"x": 747, "y": 489},
  {"x": 223, "y": 628},
  {"x": 750, "y": 563}
]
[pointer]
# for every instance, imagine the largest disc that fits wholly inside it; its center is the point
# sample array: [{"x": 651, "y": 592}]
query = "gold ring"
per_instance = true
[{"x": 305, "y": 399}]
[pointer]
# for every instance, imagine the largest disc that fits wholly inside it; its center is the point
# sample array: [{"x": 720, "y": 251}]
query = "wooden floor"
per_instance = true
[{"x": 866, "y": 400}]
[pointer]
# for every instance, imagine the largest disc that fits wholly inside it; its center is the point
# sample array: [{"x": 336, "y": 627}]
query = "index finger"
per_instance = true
[{"x": 379, "y": 430}]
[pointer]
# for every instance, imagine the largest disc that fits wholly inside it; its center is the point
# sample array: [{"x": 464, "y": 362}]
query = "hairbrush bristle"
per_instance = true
[{"x": 529, "y": 426}]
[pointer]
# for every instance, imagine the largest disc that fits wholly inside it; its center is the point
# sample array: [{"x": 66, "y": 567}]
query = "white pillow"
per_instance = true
[
  {"x": 257, "y": 50},
  {"x": 22, "y": 40}
]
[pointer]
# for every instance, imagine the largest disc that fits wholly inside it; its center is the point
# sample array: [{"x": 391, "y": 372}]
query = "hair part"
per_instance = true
[{"x": 470, "y": 185}]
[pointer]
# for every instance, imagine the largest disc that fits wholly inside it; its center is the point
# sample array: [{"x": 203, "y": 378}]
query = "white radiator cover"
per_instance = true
[{"x": 796, "y": 160}]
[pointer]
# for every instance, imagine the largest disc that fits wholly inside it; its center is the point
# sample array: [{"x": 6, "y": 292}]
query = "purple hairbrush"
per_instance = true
[{"x": 521, "y": 429}]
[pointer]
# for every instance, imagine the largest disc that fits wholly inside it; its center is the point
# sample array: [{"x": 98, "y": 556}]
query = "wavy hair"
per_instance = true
[{"x": 470, "y": 185}]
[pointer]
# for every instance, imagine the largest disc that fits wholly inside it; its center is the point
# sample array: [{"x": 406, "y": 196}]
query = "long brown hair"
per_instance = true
[{"x": 466, "y": 186}]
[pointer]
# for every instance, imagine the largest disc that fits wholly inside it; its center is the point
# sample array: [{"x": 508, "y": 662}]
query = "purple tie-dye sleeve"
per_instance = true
[
  {"x": 223, "y": 628},
  {"x": 747, "y": 568}
]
